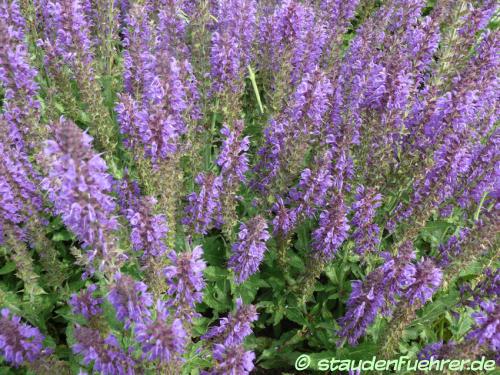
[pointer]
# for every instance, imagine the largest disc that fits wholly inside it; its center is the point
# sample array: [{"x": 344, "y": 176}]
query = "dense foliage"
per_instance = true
[{"x": 215, "y": 187}]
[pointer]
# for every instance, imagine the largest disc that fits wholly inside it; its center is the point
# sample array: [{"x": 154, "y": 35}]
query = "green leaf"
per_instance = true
[{"x": 7, "y": 268}]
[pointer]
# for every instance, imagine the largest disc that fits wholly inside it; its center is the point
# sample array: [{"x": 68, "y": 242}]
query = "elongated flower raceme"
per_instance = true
[
  {"x": 185, "y": 280},
  {"x": 105, "y": 354},
  {"x": 332, "y": 230},
  {"x": 294, "y": 38},
  {"x": 19, "y": 197},
  {"x": 68, "y": 33},
  {"x": 248, "y": 251},
  {"x": 366, "y": 300},
  {"x": 427, "y": 279},
  {"x": 203, "y": 211},
  {"x": 366, "y": 233},
  {"x": 17, "y": 77},
  {"x": 232, "y": 45},
  {"x": 231, "y": 360},
  {"x": 377, "y": 293},
  {"x": 19, "y": 342},
  {"x": 487, "y": 325},
  {"x": 233, "y": 159},
  {"x": 85, "y": 303},
  {"x": 79, "y": 186},
  {"x": 160, "y": 339},
  {"x": 233, "y": 329},
  {"x": 130, "y": 299},
  {"x": 148, "y": 230}
]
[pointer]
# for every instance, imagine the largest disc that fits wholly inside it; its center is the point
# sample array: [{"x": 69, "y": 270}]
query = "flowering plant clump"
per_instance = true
[{"x": 217, "y": 187}]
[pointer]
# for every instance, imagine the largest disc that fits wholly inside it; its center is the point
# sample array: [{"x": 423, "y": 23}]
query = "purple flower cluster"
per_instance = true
[
  {"x": 248, "y": 251},
  {"x": 67, "y": 32},
  {"x": 487, "y": 327},
  {"x": 426, "y": 280},
  {"x": 376, "y": 293},
  {"x": 149, "y": 231},
  {"x": 19, "y": 342},
  {"x": 204, "y": 210},
  {"x": 106, "y": 355},
  {"x": 85, "y": 303},
  {"x": 79, "y": 186},
  {"x": 158, "y": 338},
  {"x": 332, "y": 230},
  {"x": 228, "y": 352},
  {"x": 233, "y": 159},
  {"x": 185, "y": 279},
  {"x": 130, "y": 299},
  {"x": 17, "y": 77},
  {"x": 232, "y": 44},
  {"x": 366, "y": 233},
  {"x": 19, "y": 198}
]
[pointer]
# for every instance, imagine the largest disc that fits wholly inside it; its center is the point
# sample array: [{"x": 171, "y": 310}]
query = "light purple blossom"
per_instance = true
[
  {"x": 233, "y": 158},
  {"x": 130, "y": 299},
  {"x": 233, "y": 329},
  {"x": 105, "y": 355},
  {"x": 487, "y": 327},
  {"x": 427, "y": 279},
  {"x": 204, "y": 210},
  {"x": 80, "y": 186},
  {"x": 231, "y": 360},
  {"x": 366, "y": 233},
  {"x": 185, "y": 280},
  {"x": 332, "y": 230},
  {"x": 19, "y": 342},
  {"x": 248, "y": 250},
  {"x": 160, "y": 339},
  {"x": 85, "y": 303}
]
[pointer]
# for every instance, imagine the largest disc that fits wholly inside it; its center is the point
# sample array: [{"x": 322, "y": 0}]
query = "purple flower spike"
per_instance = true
[
  {"x": 249, "y": 250},
  {"x": 231, "y": 360},
  {"x": 366, "y": 300},
  {"x": 333, "y": 229},
  {"x": 232, "y": 44},
  {"x": 427, "y": 280},
  {"x": 185, "y": 280},
  {"x": 233, "y": 158},
  {"x": 149, "y": 231},
  {"x": 366, "y": 234},
  {"x": 487, "y": 330},
  {"x": 105, "y": 354},
  {"x": 85, "y": 303},
  {"x": 204, "y": 208},
  {"x": 130, "y": 298},
  {"x": 79, "y": 185},
  {"x": 19, "y": 342},
  {"x": 233, "y": 329},
  {"x": 159, "y": 339}
]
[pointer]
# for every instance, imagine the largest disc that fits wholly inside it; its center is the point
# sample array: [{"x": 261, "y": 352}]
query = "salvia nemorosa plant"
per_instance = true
[{"x": 212, "y": 187}]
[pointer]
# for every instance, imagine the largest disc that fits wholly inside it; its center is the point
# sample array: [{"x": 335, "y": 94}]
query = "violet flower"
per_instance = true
[
  {"x": 427, "y": 279},
  {"x": 487, "y": 327},
  {"x": 79, "y": 186},
  {"x": 248, "y": 251},
  {"x": 85, "y": 303},
  {"x": 105, "y": 355},
  {"x": 159, "y": 339},
  {"x": 204, "y": 209},
  {"x": 130, "y": 299},
  {"x": 19, "y": 342},
  {"x": 185, "y": 280},
  {"x": 232, "y": 44},
  {"x": 233, "y": 158},
  {"x": 233, "y": 329},
  {"x": 332, "y": 230},
  {"x": 366, "y": 233},
  {"x": 231, "y": 360}
]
